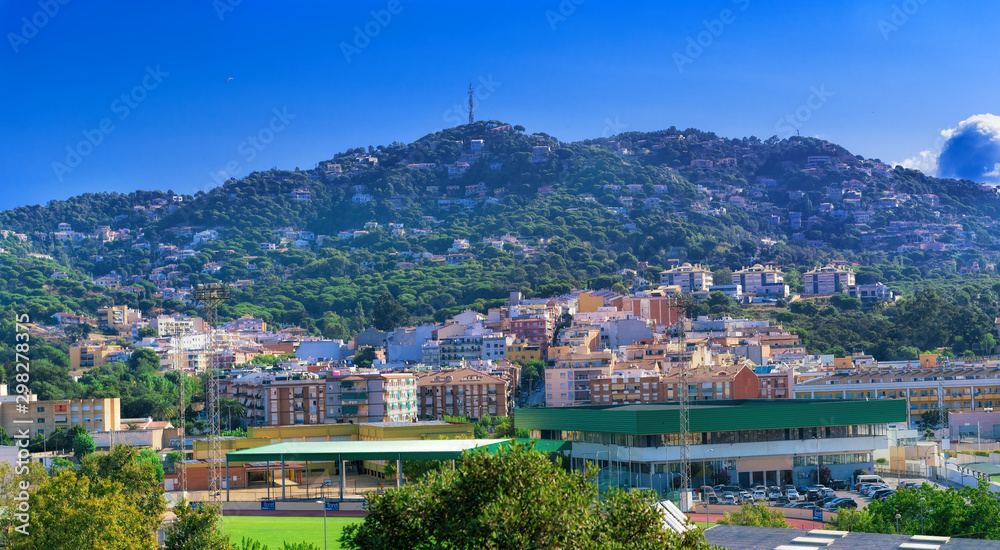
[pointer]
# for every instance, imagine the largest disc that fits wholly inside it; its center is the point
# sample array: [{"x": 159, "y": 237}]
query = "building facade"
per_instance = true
[
  {"x": 462, "y": 392},
  {"x": 689, "y": 277},
  {"x": 827, "y": 280},
  {"x": 95, "y": 415},
  {"x": 384, "y": 397},
  {"x": 746, "y": 443}
]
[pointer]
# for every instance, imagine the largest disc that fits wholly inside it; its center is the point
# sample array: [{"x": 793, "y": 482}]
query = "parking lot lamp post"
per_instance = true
[{"x": 323, "y": 502}]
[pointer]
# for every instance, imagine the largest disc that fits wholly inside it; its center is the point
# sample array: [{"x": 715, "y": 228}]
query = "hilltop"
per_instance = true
[{"x": 462, "y": 216}]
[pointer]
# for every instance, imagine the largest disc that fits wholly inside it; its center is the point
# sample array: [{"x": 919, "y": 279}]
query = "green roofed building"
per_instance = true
[{"x": 742, "y": 442}]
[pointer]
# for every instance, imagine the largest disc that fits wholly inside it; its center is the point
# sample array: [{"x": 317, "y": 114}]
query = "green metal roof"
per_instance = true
[
  {"x": 714, "y": 416},
  {"x": 982, "y": 467},
  {"x": 439, "y": 449}
]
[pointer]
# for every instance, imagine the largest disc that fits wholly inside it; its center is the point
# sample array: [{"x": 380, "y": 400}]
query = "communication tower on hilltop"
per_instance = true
[
  {"x": 212, "y": 295},
  {"x": 471, "y": 115}
]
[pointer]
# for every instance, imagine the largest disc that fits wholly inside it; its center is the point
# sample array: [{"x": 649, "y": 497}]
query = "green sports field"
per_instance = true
[{"x": 273, "y": 531}]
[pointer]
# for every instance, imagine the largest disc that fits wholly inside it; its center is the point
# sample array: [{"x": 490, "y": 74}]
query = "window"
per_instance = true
[
  {"x": 60, "y": 408},
  {"x": 40, "y": 409},
  {"x": 86, "y": 407},
  {"x": 86, "y": 418},
  {"x": 98, "y": 419},
  {"x": 41, "y": 421},
  {"x": 74, "y": 408},
  {"x": 98, "y": 407},
  {"x": 75, "y": 419}
]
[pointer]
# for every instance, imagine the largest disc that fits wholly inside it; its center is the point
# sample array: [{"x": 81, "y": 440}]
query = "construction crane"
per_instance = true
[
  {"x": 212, "y": 295},
  {"x": 684, "y": 416}
]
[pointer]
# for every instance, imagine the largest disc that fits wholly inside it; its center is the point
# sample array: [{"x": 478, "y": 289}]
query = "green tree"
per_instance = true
[
  {"x": 150, "y": 456},
  {"x": 481, "y": 505},
  {"x": 4, "y": 437},
  {"x": 148, "y": 332},
  {"x": 196, "y": 529},
  {"x": 74, "y": 511},
  {"x": 755, "y": 515},
  {"x": 388, "y": 313},
  {"x": 83, "y": 445},
  {"x": 364, "y": 358}
]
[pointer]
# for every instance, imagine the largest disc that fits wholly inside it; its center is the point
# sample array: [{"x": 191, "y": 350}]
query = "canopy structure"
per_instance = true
[
  {"x": 340, "y": 451},
  {"x": 316, "y": 451}
]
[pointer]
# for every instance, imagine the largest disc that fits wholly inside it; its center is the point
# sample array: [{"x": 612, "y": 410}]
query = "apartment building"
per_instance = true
[
  {"x": 90, "y": 353},
  {"x": 177, "y": 325},
  {"x": 971, "y": 388},
  {"x": 458, "y": 392},
  {"x": 537, "y": 329},
  {"x": 384, "y": 397},
  {"x": 522, "y": 352},
  {"x": 658, "y": 307},
  {"x": 459, "y": 350},
  {"x": 688, "y": 277},
  {"x": 760, "y": 279},
  {"x": 828, "y": 280},
  {"x": 495, "y": 346},
  {"x": 706, "y": 383},
  {"x": 95, "y": 415},
  {"x": 269, "y": 402},
  {"x": 568, "y": 374},
  {"x": 117, "y": 317}
]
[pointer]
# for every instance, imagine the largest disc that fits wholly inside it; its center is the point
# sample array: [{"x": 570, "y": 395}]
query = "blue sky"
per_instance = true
[{"x": 145, "y": 82}]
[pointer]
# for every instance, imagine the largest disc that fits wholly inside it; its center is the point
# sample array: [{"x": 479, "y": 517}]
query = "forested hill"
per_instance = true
[{"x": 463, "y": 216}]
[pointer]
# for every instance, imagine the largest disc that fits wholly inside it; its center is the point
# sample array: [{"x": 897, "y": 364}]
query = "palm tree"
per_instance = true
[{"x": 229, "y": 408}]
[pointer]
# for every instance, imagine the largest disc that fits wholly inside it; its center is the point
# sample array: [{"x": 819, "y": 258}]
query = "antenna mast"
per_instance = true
[
  {"x": 182, "y": 472},
  {"x": 684, "y": 418},
  {"x": 471, "y": 114},
  {"x": 212, "y": 295}
]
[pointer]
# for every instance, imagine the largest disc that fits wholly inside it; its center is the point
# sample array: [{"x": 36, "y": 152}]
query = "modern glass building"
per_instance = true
[{"x": 742, "y": 442}]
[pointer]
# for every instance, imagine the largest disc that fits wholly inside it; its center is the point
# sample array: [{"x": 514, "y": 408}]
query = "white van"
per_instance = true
[{"x": 867, "y": 479}]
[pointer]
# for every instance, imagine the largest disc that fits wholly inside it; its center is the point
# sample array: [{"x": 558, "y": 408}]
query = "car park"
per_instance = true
[
  {"x": 745, "y": 496},
  {"x": 759, "y": 495},
  {"x": 727, "y": 498},
  {"x": 792, "y": 495}
]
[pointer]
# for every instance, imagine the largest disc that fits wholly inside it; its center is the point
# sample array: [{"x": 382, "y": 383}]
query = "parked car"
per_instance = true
[
  {"x": 759, "y": 495},
  {"x": 803, "y": 505},
  {"x": 842, "y": 503},
  {"x": 827, "y": 493},
  {"x": 706, "y": 490},
  {"x": 745, "y": 496},
  {"x": 838, "y": 484},
  {"x": 792, "y": 495},
  {"x": 712, "y": 499},
  {"x": 872, "y": 489},
  {"x": 790, "y": 488},
  {"x": 727, "y": 498},
  {"x": 812, "y": 495},
  {"x": 824, "y": 501},
  {"x": 780, "y": 501},
  {"x": 883, "y": 494}
]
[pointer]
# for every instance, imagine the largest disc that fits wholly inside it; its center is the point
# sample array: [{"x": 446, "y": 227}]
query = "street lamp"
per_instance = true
[
  {"x": 704, "y": 481},
  {"x": 816, "y": 437},
  {"x": 323, "y": 502},
  {"x": 922, "y": 500},
  {"x": 897, "y": 522},
  {"x": 708, "y": 518}
]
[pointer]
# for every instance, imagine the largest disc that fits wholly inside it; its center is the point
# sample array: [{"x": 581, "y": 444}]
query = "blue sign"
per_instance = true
[
  {"x": 332, "y": 506},
  {"x": 267, "y": 505},
  {"x": 817, "y": 515}
]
